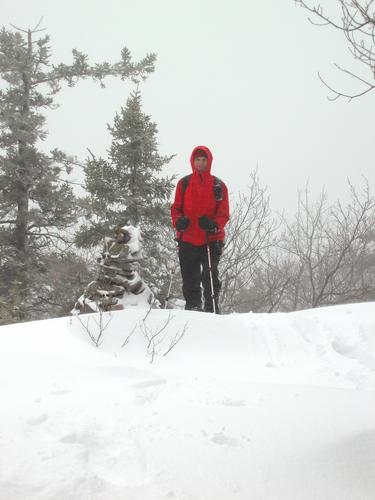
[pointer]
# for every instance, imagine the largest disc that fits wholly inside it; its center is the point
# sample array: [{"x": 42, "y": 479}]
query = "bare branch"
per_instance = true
[
  {"x": 37, "y": 26},
  {"x": 176, "y": 339},
  {"x": 358, "y": 27},
  {"x": 127, "y": 340}
]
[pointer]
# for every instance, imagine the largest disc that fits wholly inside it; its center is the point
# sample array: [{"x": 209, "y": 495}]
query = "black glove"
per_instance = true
[
  {"x": 182, "y": 223},
  {"x": 208, "y": 224}
]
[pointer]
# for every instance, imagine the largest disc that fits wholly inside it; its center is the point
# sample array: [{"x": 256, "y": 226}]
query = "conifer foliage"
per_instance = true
[
  {"x": 37, "y": 202},
  {"x": 129, "y": 188}
]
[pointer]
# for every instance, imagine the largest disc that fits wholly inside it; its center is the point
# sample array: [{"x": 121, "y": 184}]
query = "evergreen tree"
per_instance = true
[
  {"x": 36, "y": 200},
  {"x": 127, "y": 187}
]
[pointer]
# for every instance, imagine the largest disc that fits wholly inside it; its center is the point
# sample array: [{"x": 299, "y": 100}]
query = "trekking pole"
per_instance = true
[
  {"x": 210, "y": 271},
  {"x": 173, "y": 272}
]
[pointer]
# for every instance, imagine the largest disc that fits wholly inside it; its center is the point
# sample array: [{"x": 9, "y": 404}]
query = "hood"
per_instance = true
[{"x": 209, "y": 158}]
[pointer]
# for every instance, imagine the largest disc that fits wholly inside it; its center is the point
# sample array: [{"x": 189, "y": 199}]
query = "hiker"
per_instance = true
[{"x": 199, "y": 213}]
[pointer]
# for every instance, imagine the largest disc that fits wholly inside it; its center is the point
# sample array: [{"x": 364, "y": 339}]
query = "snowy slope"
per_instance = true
[{"x": 250, "y": 406}]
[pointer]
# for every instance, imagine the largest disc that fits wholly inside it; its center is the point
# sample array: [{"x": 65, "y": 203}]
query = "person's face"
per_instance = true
[{"x": 200, "y": 163}]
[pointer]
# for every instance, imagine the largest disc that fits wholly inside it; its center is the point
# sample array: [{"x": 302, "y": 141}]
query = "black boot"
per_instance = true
[
  {"x": 193, "y": 308},
  {"x": 209, "y": 307}
]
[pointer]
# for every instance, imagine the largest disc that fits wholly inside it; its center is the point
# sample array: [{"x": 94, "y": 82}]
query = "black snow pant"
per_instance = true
[{"x": 195, "y": 270}]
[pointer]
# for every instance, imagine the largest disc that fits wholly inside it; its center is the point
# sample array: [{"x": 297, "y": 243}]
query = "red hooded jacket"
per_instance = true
[{"x": 198, "y": 200}]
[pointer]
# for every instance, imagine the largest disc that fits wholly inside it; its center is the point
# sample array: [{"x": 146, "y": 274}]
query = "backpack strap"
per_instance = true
[
  {"x": 185, "y": 181},
  {"x": 218, "y": 188}
]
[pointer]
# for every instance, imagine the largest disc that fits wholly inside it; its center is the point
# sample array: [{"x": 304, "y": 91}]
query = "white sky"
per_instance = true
[{"x": 239, "y": 77}]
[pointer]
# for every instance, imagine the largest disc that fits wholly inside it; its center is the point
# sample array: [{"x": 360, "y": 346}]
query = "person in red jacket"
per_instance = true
[{"x": 199, "y": 213}]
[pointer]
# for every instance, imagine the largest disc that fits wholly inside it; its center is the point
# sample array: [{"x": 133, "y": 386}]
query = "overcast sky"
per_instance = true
[{"x": 238, "y": 76}]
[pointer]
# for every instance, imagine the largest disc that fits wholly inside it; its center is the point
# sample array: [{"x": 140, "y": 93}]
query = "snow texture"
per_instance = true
[
  {"x": 135, "y": 243},
  {"x": 244, "y": 406}
]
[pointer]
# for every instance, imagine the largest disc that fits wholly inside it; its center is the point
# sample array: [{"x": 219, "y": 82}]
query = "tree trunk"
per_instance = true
[{"x": 23, "y": 174}]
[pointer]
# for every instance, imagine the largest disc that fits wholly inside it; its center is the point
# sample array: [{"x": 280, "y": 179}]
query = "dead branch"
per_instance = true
[
  {"x": 127, "y": 340},
  {"x": 176, "y": 339}
]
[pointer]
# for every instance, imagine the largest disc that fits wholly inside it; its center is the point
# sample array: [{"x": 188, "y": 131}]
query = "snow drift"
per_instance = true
[{"x": 184, "y": 405}]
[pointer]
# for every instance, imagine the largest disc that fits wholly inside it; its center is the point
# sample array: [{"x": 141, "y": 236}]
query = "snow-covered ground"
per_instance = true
[{"x": 250, "y": 407}]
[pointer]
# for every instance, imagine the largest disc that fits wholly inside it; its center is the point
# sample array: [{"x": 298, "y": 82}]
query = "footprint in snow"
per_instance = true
[
  {"x": 70, "y": 438},
  {"x": 271, "y": 365},
  {"x": 224, "y": 439},
  {"x": 37, "y": 419},
  {"x": 149, "y": 383},
  {"x": 59, "y": 392},
  {"x": 148, "y": 391},
  {"x": 234, "y": 402}
]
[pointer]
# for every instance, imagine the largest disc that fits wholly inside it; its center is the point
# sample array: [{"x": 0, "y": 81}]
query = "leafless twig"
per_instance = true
[
  {"x": 97, "y": 340},
  {"x": 127, "y": 340},
  {"x": 176, "y": 339},
  {"x": 356, "y": 21}
]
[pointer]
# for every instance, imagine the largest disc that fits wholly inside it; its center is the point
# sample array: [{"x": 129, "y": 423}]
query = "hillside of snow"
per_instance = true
[{"x": 243, "y": 406}]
